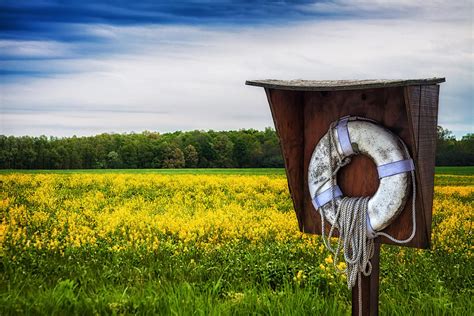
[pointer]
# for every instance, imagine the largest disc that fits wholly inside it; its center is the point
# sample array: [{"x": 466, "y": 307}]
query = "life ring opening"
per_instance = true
[{"x": 359, "y": 177}]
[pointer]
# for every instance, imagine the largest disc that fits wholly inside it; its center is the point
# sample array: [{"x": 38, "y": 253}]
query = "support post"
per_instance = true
[{"x": 370, "y": 288}]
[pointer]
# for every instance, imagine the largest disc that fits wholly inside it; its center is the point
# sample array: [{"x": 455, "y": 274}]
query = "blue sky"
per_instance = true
[{"x": 88, "y": 67}]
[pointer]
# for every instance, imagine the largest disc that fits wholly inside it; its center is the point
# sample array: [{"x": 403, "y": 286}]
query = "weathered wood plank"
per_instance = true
[
  {"x": 428, "y": 123},
  {"x": 370, "y": 288},
  {"x": 287, "y": 113},
  {"x": 334, "y": 85},
  {"x": 412, "y": 103}
]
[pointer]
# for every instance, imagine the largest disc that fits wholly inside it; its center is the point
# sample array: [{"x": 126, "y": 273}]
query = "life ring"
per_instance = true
[{"x": 356, "y": 135}]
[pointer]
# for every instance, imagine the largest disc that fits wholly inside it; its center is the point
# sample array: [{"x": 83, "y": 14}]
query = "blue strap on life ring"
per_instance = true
[
  {"x": 326, "y": 196},
  {"x": 343, "y": 136},
  {"x": 395, "y": 167}
]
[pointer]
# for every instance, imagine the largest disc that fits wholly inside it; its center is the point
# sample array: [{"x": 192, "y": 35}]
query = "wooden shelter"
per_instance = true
[{"x": 302, "y": 111}]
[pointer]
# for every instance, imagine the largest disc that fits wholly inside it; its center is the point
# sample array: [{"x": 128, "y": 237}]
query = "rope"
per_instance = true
[
  {"x": 413, "y": 208},
  {"x": 351, "y": 219}
]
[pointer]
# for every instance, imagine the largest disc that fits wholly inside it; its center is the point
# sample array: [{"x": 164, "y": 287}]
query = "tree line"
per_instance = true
[
  {"x": 195, "y": 149},
  {"x": 452, "y": 152}
]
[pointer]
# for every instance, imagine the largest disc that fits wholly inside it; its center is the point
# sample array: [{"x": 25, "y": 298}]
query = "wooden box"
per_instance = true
[{"x": 302, "y": 111}]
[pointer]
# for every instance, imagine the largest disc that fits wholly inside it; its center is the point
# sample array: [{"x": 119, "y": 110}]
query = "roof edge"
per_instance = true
[{"x": 334, "y": 85}]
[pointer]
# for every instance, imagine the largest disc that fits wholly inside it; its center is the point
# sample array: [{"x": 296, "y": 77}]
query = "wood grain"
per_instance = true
[
  {"x": 370, "y": 287},
  {"x": 287, "y": 113},
  {"x": 422, "y": 105},
  {"x": 302, "y": 117}
]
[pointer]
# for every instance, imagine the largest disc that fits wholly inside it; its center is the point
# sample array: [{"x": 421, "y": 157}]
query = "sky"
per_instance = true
[{"x": 89, "y": 67}]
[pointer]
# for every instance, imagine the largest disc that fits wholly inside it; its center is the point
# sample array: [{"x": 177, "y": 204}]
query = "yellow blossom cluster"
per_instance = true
[
  {"x": 453, "y": 215},
  {"x": 463, "y": 191},
  {"x": 118, "y": 212},
  {"x": 56, "y": 212}
]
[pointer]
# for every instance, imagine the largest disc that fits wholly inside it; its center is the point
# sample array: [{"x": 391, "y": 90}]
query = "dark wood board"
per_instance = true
[
  {"x": 303, "y": 117},
  {"x": 287, "y": 113},
  {"x": 422, "y": 103},
  {"x": 369, "y": 287}
]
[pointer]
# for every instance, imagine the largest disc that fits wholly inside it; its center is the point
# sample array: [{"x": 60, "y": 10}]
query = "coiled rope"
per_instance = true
[{"x": 351, "y": 220}]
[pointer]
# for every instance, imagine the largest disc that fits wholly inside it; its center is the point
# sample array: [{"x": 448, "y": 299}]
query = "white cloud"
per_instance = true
[
  {"x": 182, "y": 78},
  {"x": 24, "y": 49}
]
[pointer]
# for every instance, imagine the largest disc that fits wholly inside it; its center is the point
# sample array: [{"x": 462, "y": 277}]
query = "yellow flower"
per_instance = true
[
  {"x": 54, "y": 212},
  {"x": 329, "y": 260},
  {"x": 342, "y": 265}
]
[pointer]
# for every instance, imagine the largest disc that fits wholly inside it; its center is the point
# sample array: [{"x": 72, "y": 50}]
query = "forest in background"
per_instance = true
[{"x": 247, "y": 148}]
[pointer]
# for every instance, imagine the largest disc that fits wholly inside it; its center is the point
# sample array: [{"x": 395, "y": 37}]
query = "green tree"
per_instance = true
[
  {"x": 129, "y": 153},
  {"x": 224, "y": 148},
  {"x": 202, "y": 141},
  {"x": 243, "y": 148},
  {"x": 173, "y": 157},
  {"x": 272, "y": 157},
  {"x": 191, "y": 156},
  {"x": 247, "y": 149},
  {"x": 113, "y": 160},
  {"x": 445, "y": 144}
]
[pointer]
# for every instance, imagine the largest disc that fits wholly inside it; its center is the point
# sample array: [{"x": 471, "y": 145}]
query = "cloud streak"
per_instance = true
[{"x": 170, "y": 77}]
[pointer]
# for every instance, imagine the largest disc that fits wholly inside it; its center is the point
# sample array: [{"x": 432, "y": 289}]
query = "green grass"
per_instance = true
[
  {"x": 461, "y": 171},
  {"x": 234, "y": 280},
  {"x": 469, "y": 170},
  {"x": 230, "y": 171},
  {"x": 238, "y": 279}
]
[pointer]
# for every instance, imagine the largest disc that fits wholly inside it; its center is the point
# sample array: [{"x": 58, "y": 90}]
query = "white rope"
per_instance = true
[
  {"x": 351, "y": 221},
  {"x": 413, "y": 209}
]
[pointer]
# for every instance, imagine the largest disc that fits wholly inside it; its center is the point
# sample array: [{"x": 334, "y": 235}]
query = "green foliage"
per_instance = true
[
  {"x": 191, "y": 156},
  {"x": 452, "y": 152},
  {"x": 199, "y": 149},
  {"x": 194, "y": 149},
  {"x": 462, "y": 171},
  {"x": 235, "y": 280},
  {"x": 113, "y": 160},
  {"x": 173, "y": 157},
  {"x": 447, "y": 175},
  {"x": 240, "y": 279},
  {"x": 228, "y": 171}
]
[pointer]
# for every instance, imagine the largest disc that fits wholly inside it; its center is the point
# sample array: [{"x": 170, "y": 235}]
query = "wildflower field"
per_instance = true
[{"x": 206, "y": 244}]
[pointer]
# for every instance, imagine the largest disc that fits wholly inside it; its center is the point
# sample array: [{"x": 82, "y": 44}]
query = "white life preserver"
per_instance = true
[{"x": 356, "y": 135}]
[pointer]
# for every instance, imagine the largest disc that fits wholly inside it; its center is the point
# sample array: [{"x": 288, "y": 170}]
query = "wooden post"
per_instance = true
[{"x": 370, "y": 288}]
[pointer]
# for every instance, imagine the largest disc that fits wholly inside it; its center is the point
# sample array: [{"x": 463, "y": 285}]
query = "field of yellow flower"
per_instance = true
[{"x": 205, "y": 244}]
